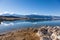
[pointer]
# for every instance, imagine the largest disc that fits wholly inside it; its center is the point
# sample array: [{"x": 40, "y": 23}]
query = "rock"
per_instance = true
[
  {"x": 45, "y": 38},
  {"x": 42, "y": 31},
  {"x": 55, "y": 35}
]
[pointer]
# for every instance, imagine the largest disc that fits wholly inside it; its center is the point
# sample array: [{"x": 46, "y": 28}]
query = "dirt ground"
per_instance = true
[
  {"x": 42, "y": 33},
  {"x": 25, "y": 34}
]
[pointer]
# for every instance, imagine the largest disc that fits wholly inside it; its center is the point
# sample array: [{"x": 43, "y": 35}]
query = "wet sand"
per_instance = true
[{"x": 41, "y": 33}]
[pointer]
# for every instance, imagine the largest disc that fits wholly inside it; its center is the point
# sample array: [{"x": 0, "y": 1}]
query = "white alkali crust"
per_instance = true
[{"x": 49, "y": 33}]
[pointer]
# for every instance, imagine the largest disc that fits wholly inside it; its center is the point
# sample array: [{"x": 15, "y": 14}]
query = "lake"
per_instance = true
[{"x": 18, "y": 24}]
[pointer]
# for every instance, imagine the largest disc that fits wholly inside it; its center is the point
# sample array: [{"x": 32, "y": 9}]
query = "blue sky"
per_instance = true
[{"x": 40, "y": 7}]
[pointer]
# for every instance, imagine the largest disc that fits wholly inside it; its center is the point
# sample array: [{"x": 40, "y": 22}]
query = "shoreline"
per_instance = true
[{"x": 41, "y": 33}]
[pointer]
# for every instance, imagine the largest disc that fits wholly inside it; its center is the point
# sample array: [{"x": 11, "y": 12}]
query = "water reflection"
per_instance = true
[
  {"x": 0, "y": 21},
  {"x": 37, "y": 20},
  {"x": 9, "y": 25}
]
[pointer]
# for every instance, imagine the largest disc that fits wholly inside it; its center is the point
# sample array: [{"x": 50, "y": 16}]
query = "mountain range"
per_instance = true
[{"x": 32, "y": 16}]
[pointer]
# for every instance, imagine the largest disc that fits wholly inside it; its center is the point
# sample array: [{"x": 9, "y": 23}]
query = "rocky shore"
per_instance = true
[{"x": 41, "y": 33}]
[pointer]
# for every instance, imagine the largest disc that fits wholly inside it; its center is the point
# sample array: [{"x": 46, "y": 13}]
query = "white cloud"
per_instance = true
[
  {"x": 34, "y": 13},
  {"x": 6, "y": 12},
  {"x": 1, "y": 13}
]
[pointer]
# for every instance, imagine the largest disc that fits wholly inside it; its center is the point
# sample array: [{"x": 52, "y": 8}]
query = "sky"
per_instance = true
[{"x": 27, "y": 7}]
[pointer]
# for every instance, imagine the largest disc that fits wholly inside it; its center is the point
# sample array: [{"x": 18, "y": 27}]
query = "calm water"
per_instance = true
[{"x": 12, "y": 25}]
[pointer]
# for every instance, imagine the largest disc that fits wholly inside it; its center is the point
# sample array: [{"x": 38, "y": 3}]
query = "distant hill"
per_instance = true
[
  {"x": 41, "y": 17},
  {"x": 38, "y": 16},
  {"x": 9, "y": 17},
  {"x": 34, "y": 17}
]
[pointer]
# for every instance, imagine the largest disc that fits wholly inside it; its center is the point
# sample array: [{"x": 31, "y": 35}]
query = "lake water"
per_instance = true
[{"x": 12, "y": 25}]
